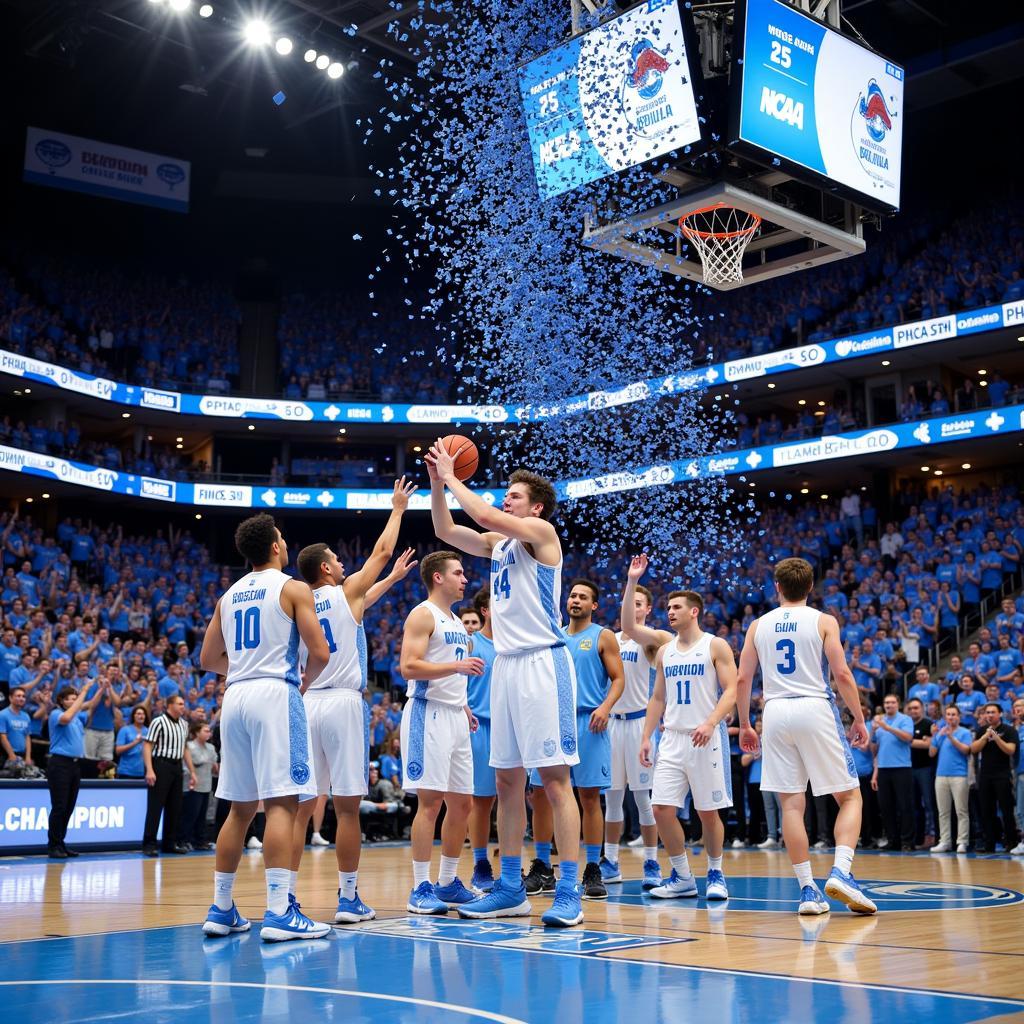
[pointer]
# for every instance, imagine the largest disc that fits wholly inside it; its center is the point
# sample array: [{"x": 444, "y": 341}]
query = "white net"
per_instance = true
[{"x": 720, "y": 234}]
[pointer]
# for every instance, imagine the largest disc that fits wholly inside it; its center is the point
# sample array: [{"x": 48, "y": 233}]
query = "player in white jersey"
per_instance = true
[
  {"x": 695, "y": 688},
  {"x": 638, "y": 647},
  {"x": 533, "y": 685},
  {"x": 802, "y": 734},
  {"x": 253, "y": 639},
  {"x": 338, "y": 715},
  {"x": 437, "y": 757}
]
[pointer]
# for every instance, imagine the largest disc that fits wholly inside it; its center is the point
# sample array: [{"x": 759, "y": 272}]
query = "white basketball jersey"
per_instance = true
[
  {"x": 448, "y": 642},
  {"x": 261, "y": 640},
  {"x": 525, "y": 598},
  {"x": 639, "y": 677},
  {"x": 346, "y": 665},
  {"x": 792, "y": 653},
  {"x": 691, "y": 684}
]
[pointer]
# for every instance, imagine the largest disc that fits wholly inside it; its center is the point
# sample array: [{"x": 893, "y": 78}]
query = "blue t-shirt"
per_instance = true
[
  {"x": 102, "y": 713},
  {"x": 478, "y": 690},
  {"x": 15, "y": 725},
  {"x": 130, "y": 762},
  {"x": 968, "y": 703},
  {"x": 924, "y": 692},
  {"x": 68, "y": 740},
  {"x": 591, "y": 676},
  {"x": 892, "y": 751},
  {"x": 10, "y": 659},
  {"x": 861, "y": 677},
  {"x": 390, "y": 767},
  {"x": 755, "y": 771},
  {"x": 863, "y": 761},
  {"x": 952, "y": 761}
]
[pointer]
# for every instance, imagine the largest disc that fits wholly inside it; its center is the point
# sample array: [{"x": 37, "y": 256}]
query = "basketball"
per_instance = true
[{"x": 465, "y": 454}]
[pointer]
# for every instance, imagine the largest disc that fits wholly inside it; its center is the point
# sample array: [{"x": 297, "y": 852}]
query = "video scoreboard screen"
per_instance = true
[
  {"x": 611, "y": 98},
  {"x": 809, "y": 97}
]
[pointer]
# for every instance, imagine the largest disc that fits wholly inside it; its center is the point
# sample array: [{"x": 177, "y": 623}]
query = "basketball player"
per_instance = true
[
  {"x": 695, "y": 688},
  {"x": 484, "y": 790},
  {"x": 253, "y": 640},
  {"x": 638, "y": 648},
  {"x": 470, "y": 619},
  {"x": 599, "y": 684},
  {"x": 338, "y": 715},
  {"x": 437, "y": 757},
  {"x": 803, "y": 737},
  {"x": 533, "y": 685}
]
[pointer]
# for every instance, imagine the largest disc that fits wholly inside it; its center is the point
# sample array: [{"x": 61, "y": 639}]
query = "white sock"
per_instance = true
[
  {"x": 449, "y": 866},
  {"x": 277, "y": 890},
  {"x": 844, "y": 858},
  {"x": 681, "y": 865},
  {"x": 293, "y": 881},
  {"x": 223, "y": 886},
  {"x": 611, "y": 852},
  {"x": 420, "y": 872},
  {"x": 650, "y": 853},
  {"x": 803, "y": 873},
  {"x": 714, "y": 863},
  {"x": 347, "y": 884}
]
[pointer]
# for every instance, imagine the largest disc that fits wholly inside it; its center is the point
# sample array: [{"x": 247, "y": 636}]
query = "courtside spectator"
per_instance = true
[
  {"x": 891, "y": 736},
  {"x": 996, "y": 743}
]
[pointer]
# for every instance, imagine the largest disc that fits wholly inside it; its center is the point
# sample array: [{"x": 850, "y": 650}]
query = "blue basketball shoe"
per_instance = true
[
  {"x": 652, "y": 875},
  {"x": 610, "y": 870},
  {"x": 454, "y": 894},
  {"x": 717, "y": 889},
  {"x": 292, "y": 924},
  {"x": 483, "y": 876},
  {"x": 567, "y": 909},
  {"x": 812, "y": 902},
  {"x": 501, "y": 901},
  {"x": 844, "y": 888},
  {"x": 224, "y": 922},
  {"x": 423, "y": 900},
  {"x": 352, "y": 911},
  {"x": 677, "y": 887}
]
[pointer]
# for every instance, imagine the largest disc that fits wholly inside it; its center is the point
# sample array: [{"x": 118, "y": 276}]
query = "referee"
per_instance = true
[{"x": 163, "y": 750}]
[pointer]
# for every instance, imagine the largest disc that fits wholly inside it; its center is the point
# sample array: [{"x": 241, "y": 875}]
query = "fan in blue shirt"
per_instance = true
[
  {"x": 968, "y": 700},
  {"x": 923, "y": 689}
]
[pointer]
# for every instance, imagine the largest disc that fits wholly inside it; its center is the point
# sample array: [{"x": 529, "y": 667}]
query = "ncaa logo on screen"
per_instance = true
[{"x": 648, "y": 111}]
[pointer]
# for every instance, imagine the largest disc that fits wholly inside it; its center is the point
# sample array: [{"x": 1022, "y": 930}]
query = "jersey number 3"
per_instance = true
[{"x": 787, "y": 649}]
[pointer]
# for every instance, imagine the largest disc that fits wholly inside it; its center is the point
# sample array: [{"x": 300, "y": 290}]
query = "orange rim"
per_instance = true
[{"x": 717, "y": 234}]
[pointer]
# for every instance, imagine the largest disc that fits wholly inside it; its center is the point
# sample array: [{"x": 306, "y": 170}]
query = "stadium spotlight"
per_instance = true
[
  {"x": 924, "y": 469},
  {"x": 251, "y": 427},
  {"x": 966, "y": 465},
  {"x": 824, "y": 497},
  {"x": 335, "y": 70},
  {"x": 30, "y": 500},
  {"x": 199, "y": 515},
  {"x": 256, "y": 32},
  {"x": 126, "y": 415},
  {"x": 206, "y": 11},
  {"x": 938, "y": 472},
  {"x": 309, "y": 56},
  {"x": 284, "y": 46},
  {"x": 322, "y": 61},
  {"x": 886, "y": 362},
  {"x": 46, "y": 494},
  {"x": 180, "y": 5},
  {"x": 771, "y": 386},
  {"x": 417, "y": 448},
  {"x": 802, "y": 401},
  {"x": 981, "y": 373},
  {"x": 156, "y": 2}
]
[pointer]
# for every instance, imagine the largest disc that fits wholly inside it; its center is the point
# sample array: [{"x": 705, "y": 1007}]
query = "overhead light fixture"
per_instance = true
[
  {"x": 886, "y": 362},
  {"x": 803, "y": 401},
  {"x": 924, "y": 469},
  {"x": 126, "y": 415},
  {"x": 149, "y": 437},
  {"x": 771, "y": 386},
  {"x": 251, "y": 427},
  {"x": 206, "y": 11},
  {"x": 199, "y": 515},
  {"x": 981, "y": 373},
  {"x": 938, "y": 472},
  {"x": 821, "y": 404},
  {"x": 824, "y": 497},
  {"x": 46, "y": 494},
  {"x": 342, "y": 430},
  {"x": 180, "y": 5},
  {"x": 30, "y": 500},
  {"x": 179, "y": 439},
  {"x": 966, "y": 465},
  {"x": 284, "y": 46},
  {"x": 335, "y": 70},
  {"x": 256, "y": 32},
  {"x": 981, "y": 384},
  {"x": 323, "y": 61},
  {"x": 417, "y": 448},
  {"x": 28, "y": 391},
  {"x": 309, "y": 56},
  {"x": 156, "y": 3},
  {"x": 805, "y": 490}
]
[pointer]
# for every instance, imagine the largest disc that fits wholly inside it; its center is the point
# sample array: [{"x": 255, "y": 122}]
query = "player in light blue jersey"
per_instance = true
[
  {"x": 600, "y": 681},
  {"x": 253, "y": 639},
  {"x": 533, "y": 683},
  {"x": 477, "y": 620}
]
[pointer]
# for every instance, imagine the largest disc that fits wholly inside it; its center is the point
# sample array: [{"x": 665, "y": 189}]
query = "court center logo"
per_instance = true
[{"x": 645, "y": 102}]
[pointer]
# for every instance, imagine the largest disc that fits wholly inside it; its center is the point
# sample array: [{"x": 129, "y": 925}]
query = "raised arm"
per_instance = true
[
  {"x": 404, "y": 564},
  {"x": 413, "y": 664},
  {"x": 647, "y": 637},
  {"x": 213, "y": 655},
  {"x": 464, "y": 538}
]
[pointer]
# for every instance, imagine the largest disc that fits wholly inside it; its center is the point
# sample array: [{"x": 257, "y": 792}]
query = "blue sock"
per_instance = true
[
  {"x": 593, "y": 852},
  {"x": 479, "y": 853},
  {"x": 543, "y": 852},
  {"x": 512, "y": 872},
  {"x": 570, "y": 871}
]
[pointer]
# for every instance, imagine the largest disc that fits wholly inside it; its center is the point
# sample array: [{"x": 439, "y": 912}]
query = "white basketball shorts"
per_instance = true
[
  {"x": 533, "y": 709},
  {"x": 436, "y": 752},
  {"x": 626, "y": 734},
  {"x": 704, "y": 772},
  {"x": 264, "y": 743},
  {"x": 803, "y": 741},
  {"x": 339, "y": 733}
]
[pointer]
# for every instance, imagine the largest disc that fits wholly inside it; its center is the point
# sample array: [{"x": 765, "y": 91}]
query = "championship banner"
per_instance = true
[{"x": 103, "y": 169}]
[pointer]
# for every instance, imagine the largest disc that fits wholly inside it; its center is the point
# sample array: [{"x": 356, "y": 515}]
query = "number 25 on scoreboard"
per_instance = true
[
  {"x": 549, "y": 102},
  {"x": 781, "y": 55}
]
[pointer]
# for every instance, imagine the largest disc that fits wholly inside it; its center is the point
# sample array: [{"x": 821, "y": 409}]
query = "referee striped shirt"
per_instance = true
[{"x": 168, "y": 737}]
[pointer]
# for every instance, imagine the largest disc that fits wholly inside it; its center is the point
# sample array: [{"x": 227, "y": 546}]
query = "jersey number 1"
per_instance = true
[
  {"x": 247, "y": 629},
  {"x": 328, "y": 635}
]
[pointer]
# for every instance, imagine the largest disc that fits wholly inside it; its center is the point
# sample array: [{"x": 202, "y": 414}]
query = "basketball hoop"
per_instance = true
[{"x": 721, "y": 235}]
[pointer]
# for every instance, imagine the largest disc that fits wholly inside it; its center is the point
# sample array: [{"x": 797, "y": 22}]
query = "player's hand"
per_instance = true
[
  {"x": 431, "y": 471},
  {"x": 150, "y": 778},
  {"x": 859, "y": 735},
  {"x": 404, "y": 490},
  {"x": 645, "y": 753},
  {"x": 749, "y": 743},
  {"x": 470, "y": 666},
  {"x": 701, "y": 736},
  {"x": 637, "y": 567},
  {"x": 598, "y": 720},
  {"x": 404, "y": 563},
  {"x": 474, "y": 722},
  {"x": 443, "y": 463}
]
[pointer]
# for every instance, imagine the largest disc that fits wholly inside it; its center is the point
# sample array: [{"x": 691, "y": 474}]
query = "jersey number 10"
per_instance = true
[{"x": 247, "y": 629}]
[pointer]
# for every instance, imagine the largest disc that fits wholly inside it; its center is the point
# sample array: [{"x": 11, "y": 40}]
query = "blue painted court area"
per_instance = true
[
  {"x": 779, "y": 895},
  {"x": 407, "y": 970}
]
